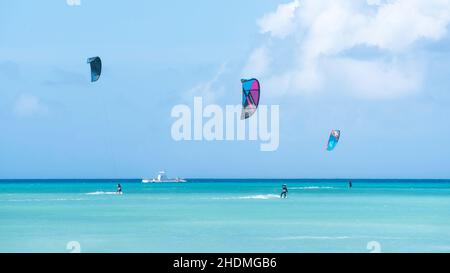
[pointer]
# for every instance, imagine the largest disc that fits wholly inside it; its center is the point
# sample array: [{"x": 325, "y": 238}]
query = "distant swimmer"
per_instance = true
[
  {"x": 350, "y": 185},
  {"x": 284, "y": 191},
  {"x": 119, "y": 189}
]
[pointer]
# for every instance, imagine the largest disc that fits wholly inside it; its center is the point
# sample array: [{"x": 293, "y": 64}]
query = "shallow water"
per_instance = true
[{"x": 225, "y": 216}]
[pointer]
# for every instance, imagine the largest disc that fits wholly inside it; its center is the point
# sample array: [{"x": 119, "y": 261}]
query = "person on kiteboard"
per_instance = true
[{"x": 284, "y": 191}]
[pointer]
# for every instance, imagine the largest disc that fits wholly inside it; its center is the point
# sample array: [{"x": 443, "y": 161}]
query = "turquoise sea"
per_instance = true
[{"x": 208, "y": 215}]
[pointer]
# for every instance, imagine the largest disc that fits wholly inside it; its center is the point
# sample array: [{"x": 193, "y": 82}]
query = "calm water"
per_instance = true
[{"x": 225, "y": 216}]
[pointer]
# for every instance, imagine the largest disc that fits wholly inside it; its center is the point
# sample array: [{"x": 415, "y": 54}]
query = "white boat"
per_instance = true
[{"x": 162, "y": 178}]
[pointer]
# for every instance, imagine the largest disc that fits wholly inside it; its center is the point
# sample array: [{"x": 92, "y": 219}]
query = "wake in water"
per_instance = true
[
  {"x": 313, "y": 238},
  {"x": 103, "y": 193},
  {"x": 261, "y": 196},
  {"x": 310, "y": 188},
  {"x": 257, "y": 196},
  {"x": 318, "y": 237}
]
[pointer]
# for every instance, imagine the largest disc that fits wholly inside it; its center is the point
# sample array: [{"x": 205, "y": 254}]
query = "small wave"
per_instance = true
[
  {"x": 101, "y": 193},
  {"x": 311, "y": 188},
  {"x": 314, "y": 238},
  {"x": 257, "y": 196}
]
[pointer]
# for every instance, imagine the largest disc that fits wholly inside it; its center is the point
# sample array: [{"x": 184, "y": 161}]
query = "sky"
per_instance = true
[{"x": 375, "y": 69}]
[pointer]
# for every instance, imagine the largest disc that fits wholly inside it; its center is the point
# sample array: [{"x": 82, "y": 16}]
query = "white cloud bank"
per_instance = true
[
  {"x": 322, "y": 34},
  {"x": 29, "y": 105}
]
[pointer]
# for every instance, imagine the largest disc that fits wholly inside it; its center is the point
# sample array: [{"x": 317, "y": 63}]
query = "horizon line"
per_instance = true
[{"x": 230, "y": 178}]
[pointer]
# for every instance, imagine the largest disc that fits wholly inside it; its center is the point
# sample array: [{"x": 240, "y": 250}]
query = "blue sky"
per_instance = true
[{"x": 375, "y": 69}]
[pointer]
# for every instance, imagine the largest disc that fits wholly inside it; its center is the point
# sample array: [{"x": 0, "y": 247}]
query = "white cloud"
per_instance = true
[
  {"x": 321, "y": 34},
  {"x": 374, "y": 79},
  {"x": 258, "y": 63},
  {"x": 373, "y": 2},
  {"x": 29, "y": 105},
  {"x": 281, "y": 22},
  {"x": 73, "y": 2},
  {"x": 208, "y": 90},
  {"x": 398, "y": 24}
]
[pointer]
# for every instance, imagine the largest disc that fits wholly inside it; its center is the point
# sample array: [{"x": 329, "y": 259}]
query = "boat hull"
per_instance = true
[{"x": 145, "y": 181}]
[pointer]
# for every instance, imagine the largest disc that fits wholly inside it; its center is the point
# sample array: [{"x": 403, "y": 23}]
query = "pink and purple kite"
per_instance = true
[{"x": 250, "y": 97}]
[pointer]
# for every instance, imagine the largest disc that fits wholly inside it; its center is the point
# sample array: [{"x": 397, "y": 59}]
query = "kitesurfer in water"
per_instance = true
[
  {"x": 284, "y": 191},
  {"x": 350, "y": 184},
  {"x": 119, "y": 189}
]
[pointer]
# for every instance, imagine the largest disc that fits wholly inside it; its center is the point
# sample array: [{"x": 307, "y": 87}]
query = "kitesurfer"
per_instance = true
[
  {"x": 119, "y": 189},
  {"x": 350, "y": 185},
  {"x": 284, "y": 191}
]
